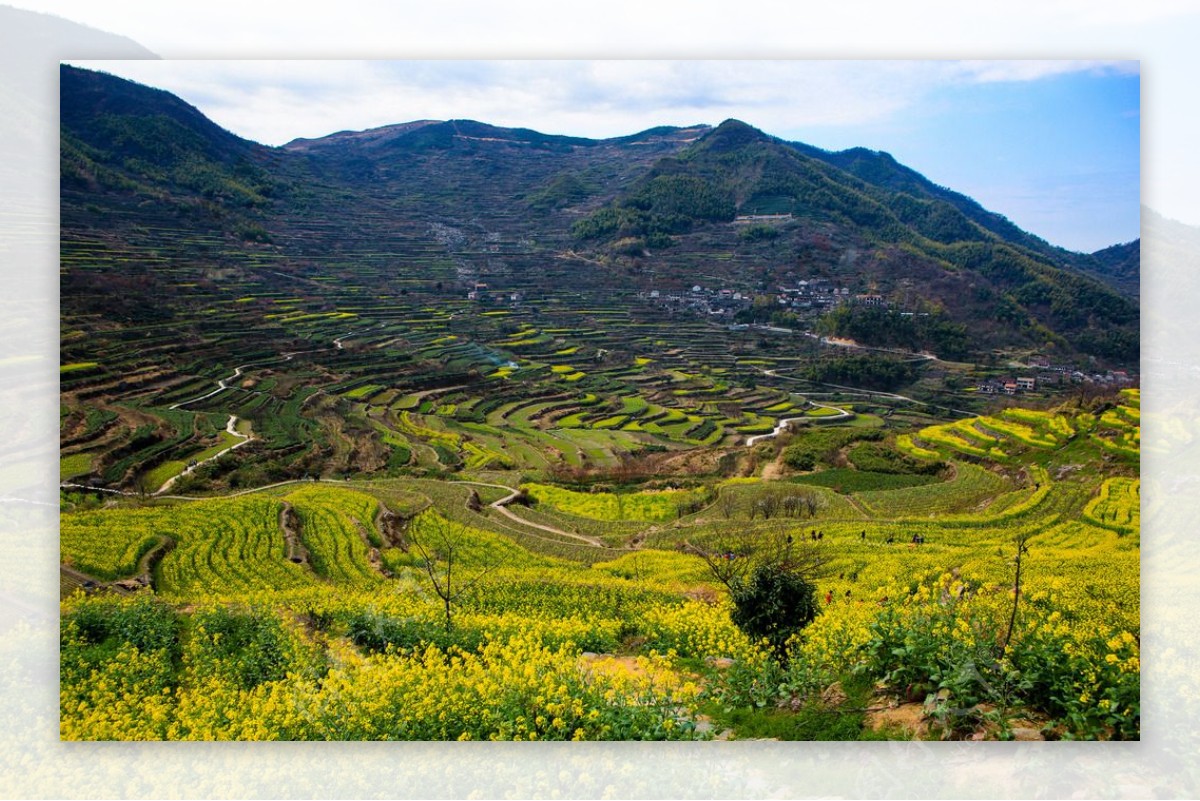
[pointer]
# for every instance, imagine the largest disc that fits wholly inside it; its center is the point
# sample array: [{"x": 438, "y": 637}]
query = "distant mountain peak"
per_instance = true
[
  {"x": 663, "y": 200},
  {"x": 367, "y": 136},
  {"x": 733, "y": 134},
  {"x": 664, "y": 133},
  {"x": 437, "y": 135}
]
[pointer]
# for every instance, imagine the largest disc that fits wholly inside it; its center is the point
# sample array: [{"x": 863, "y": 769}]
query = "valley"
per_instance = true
[{"x": 444, "y": 431}]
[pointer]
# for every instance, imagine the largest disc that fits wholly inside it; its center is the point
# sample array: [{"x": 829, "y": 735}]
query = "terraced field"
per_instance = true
[
  {"x": 567, "y": 571},
  {"x": 536, "y": 438},
  {"x": 336, "y": 377},
  {"x": 391, "y": 408}
]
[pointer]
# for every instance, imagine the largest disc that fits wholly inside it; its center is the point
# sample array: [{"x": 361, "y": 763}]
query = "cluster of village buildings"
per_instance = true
[
  {"x": 480, "y": 291},
  {"x": 1049, "y": 375},
  {"x": 816, "y": 294}
]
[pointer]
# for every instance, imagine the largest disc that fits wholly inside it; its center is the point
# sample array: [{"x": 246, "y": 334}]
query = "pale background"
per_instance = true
[{"x": 1162, "y": 35}]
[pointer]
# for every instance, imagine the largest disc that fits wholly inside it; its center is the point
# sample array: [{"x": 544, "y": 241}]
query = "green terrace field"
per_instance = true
[
  {"x": 452, "y": 432},
  {"x": 554, "y": 467},
  {"x": 584, "y": 600},
  {"x": 370, "y": 359}
]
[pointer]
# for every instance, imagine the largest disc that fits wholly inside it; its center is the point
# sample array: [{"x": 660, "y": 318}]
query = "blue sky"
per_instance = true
[
  {"x": 1058, "y": 155},
  {"x": 1051, "y": 144}
]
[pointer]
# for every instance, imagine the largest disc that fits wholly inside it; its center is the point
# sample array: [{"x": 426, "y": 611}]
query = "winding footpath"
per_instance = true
[
  {"x": 783, "y": 425},
  {"x": 230, "y": 428},
  {"x": 871, "y": 393},
  {"x": 501, "y": 506},
  {"x": 225, "y": 383},
  {"x": 222, "y": 385}
]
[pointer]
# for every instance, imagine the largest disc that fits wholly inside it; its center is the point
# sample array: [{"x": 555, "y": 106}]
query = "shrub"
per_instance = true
[{"x": 773, "y": 604}]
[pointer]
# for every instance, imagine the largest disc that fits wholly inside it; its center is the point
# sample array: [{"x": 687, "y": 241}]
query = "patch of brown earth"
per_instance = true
[
  {"x": 908, "y": 719},
  {"x": 612, "y": 665},
  {"x": 772, "y": 471}
]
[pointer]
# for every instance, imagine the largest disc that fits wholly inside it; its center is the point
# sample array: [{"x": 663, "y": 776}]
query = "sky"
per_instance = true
[{"x": 1054, "y": 145}]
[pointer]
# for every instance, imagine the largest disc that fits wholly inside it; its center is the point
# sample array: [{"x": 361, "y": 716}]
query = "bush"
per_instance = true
[
  {"x": 773, "y": 605},
  {"x": 246, "y": 649},
  {"x": 144, "y": 622},
  {"x": 374, "y": 632},
  {"x": 758, "y": 232}
]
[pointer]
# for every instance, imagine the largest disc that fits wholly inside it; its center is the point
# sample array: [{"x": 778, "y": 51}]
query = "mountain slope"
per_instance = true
[
  {"x": 1118, "y": 266},
  {"x": 882, "y": 170},
  {"x": 465, "y": 200},
  {"x": 1005, "y": 292},
  {"x": 119, "y": 134}
]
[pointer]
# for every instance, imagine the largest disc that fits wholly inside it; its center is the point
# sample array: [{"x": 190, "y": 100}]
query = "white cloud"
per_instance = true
[
  {"x": 276, "y": 101},
  {"x": 1036, "y": 69}
]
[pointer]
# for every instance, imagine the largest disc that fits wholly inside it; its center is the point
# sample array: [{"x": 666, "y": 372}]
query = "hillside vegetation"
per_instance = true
[
  {"x": 614, "y": 627},
  {"x": 444, "y": 430}
]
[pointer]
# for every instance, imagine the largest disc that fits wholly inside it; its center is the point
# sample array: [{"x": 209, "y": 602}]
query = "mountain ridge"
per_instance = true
[{"x": 644, "y": 206}]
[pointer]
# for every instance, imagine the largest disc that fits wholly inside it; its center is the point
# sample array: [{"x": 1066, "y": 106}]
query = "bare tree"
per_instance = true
[
  {"x": 1022, "y": 542},
  {"x": 443, "y": 546},
  {"x": 803, "y": 504},
  {"x": 768, "y": 504},
  {"x": 726, "y": 503}
]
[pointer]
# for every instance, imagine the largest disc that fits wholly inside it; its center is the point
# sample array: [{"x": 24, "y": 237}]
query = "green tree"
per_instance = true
[
  {"x": 774, "y": 603},
  {"x": 769, "y": 576}
]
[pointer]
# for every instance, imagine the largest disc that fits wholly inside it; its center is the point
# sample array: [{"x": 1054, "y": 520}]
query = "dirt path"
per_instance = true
[
  {"x": 230, "y": 428},
  {"x": 424, "y": 393},
  {"x": 500, "y": 506},
  {"x": 857, "y": 504},
  {"x": 773, "y": 471},
  {"x": 225, "y": 383},
  {"x": 871, "y": 393},
  {"x": 128, "y": 494},
  {"x": 783, "y": 425},
  {"x": 222, "y": 385},
  {"x": 130, "y": 584},
  {"x": 79, "y": 577}
]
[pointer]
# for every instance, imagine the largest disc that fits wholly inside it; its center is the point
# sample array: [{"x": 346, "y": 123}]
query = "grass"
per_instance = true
[
  {"x": 168, "y": 470},
  {"x": 845, "y": 480},
  {"x": 73, "y": 466},
  {"x": 812, "y": 720},
  {"x": 362, "y": 392}
]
